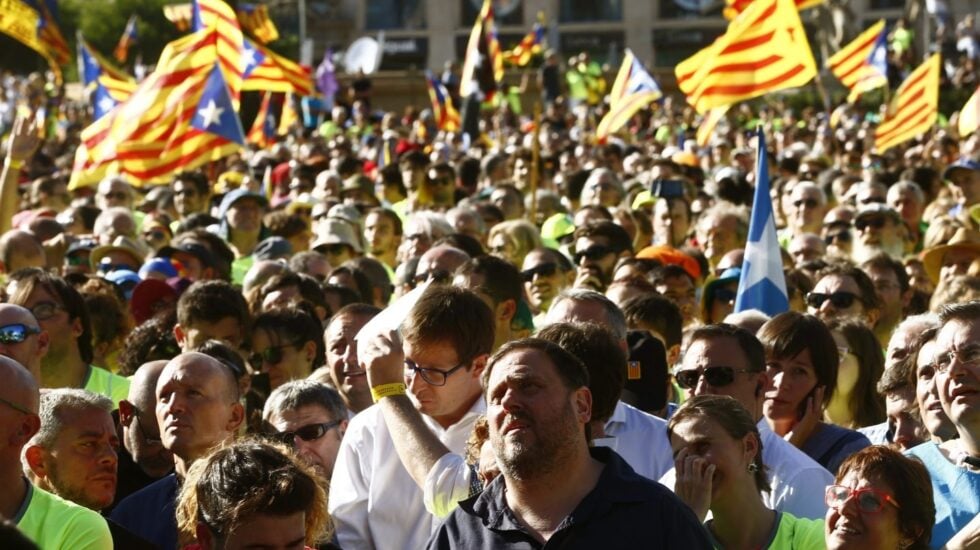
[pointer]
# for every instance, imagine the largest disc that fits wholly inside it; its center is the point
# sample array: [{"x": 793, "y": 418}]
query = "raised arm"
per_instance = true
[{"x": 24, "y": 140}]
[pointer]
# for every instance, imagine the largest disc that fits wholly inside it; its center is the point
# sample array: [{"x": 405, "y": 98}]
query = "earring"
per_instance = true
[{"x": 753, "y": 468}]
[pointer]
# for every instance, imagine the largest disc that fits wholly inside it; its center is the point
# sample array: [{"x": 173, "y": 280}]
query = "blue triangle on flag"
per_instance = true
[
  {"x": 196, "y": 22},
  {"x": 252, "y": 57},
  {"x": 215, "y": 112},
  {"x": 878, "y": 58},
  {"x": 102, "y": 102},
  {"x": 90, "y": 67}
]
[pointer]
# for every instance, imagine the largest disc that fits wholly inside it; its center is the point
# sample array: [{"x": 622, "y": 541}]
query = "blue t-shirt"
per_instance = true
[
  {"x": 151, "y": 512},
  {"x": 830, "y": 444},
  {"x": 955, "y": 490}
]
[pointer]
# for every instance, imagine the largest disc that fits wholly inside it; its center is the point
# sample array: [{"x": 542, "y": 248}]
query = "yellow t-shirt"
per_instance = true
[
  {"x": 54, "y": 523},
  {"x": 105, "y": 383}
]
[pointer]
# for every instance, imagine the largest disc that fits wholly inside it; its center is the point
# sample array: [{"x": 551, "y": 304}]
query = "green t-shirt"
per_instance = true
[
  {"x": 240, "y": 267},
  {"x": 54, "y": 523},
  {"x": 792, "y": 533},
  {"x": 105, "y": 383}
]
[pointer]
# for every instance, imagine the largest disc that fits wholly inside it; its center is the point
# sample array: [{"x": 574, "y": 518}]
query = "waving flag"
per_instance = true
[
  {"x": 970, "y": 115},
  {"x": 529, "y": 46},
  {"x": 445, "y": 115},
  {"x": 708, "y": 124},
  {"x": 288, "y": 117},
  {"x": 762, "y": 285},
  {"x": 48, "y": 31},
  {"x": 862, "y": 65},
  {"x": 764, "y": 50},
  {"x": 255, "y": 20},
  {"x": 326, "y": 77},
  {"x": 633, "y": 89},
  {"x": 263, "y": 131},
  {"x": 24, "y": 21},
  {"x": 218, "y": 14},
  {"x": 264, "y": 70},
  {"x": 126, "y": 40},
  {"x": 483, "y": 64},
  {"x": 181, "y": 116},
  {"x": 107, "y": 85},
  {"x": 180, "y": 15},
  {"x": 914, "y": 107}
]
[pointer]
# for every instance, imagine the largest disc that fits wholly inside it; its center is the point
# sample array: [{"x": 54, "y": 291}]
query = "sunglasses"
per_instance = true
[
  {"x": 540, "y": 270},
  {"x": 875, "y": 223},
  {"x": 869, "y": 500},
  {"x": 154, "y": 235},
  {"x": 310, "y": 432},
  {"x": 809, "y": 203},
  {"x": 843, "y": 236},
  {"x": 716, "y": 376},
  {"x": 840, "y": 299},
  {"x": 16, "y": 333},
  {"x": 593, "y": 253},
  {"x": 725, "y": 295},
  {"x": 271, "y": 355},
  {"x": 46, "y": 310}
]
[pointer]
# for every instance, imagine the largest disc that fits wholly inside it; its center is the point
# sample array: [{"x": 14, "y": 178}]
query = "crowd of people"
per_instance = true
[{"x": 377, "y": 334}]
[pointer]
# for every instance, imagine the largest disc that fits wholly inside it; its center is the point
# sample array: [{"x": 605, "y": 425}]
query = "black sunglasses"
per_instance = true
[
  {"x": 864, "y": 223},
  {"x": 271, "y": 355},
  {"x": 809, "y": 203},
  {"x": 593, "y": 253},
  {"x": 310, "y": 432},
  {"x": 716, "y": 376},
  {"x": 843, "y": 236},
  {"x": 540, "y": 270},
  {"x": 437, "y": 276},
  {"x": 16, "y": 333},
  {"x": 839, "y": 299}
]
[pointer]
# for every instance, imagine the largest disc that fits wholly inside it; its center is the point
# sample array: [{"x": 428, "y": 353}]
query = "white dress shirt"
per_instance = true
[
  {"x": 797, "y": 481},
  {"x": 640, "y": 438},
  {"x": 374, "y": 502}
]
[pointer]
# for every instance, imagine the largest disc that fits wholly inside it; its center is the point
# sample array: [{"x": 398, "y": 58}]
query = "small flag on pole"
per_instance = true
[
  {"x": 126, "y": 40},
  {"x": 762, "y": 285}
]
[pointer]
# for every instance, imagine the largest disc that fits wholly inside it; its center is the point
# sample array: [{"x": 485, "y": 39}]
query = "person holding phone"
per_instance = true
[{"x": 802, "y": 361}]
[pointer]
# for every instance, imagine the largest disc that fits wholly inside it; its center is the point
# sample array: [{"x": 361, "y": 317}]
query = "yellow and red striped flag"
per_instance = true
[
  {"x": 914, "y": 107},
  {"x": 26, "y": 23},
  {"x": 263, "y": 130},
  {"x": 180, "y": 15},
  {"x": 483, "y": 64},
  {"x": 265, "y": 70},
  {"x": 708, "y": 123},
  {"x": 970, "y": 115},
  {"x": 445, "y": 115},
  {"x": 129, "y": 36},
  {"x": 765, "y": 49},
  {"x": 862, "y": 65},
  {"x": 632, "y": 90},
  {"x": 255, "y": 20},
  {"x": 529, "y": 46},
  {"x": 288, "y": 117},
  {"x": 180, "y": 117},
  {"x": 49, "y": 32},
  {"x": 230, "y": 43},
  {"x": 735, "y": 7}
]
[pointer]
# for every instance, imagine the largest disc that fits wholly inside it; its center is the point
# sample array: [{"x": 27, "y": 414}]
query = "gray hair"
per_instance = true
[
  {"x": 724, "y": 209},
  {"x": 910, "y": 186},
  {"x": 430, "y": 223},
  {"x": 466, "y": 213},
  {"x": 301, "y": 393},
  {"x": 615, "y": 317},
  {"x": 62, "y": 403}
]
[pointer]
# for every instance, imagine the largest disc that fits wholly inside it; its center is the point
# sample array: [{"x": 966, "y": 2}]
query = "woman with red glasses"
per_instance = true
[
  {"x": 802, "y": 361},
  {"x": 718, "y": 461},
  {"x": 881, "y": 499}
]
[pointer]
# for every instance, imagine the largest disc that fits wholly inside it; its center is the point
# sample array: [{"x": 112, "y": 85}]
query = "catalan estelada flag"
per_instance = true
[
  {"x": 263, "y": 131},
  {"x": 48, "y": 31},
  {"x": 180, "y": 117},
  {"x": 483, "y": 64},
  {"x": 735, "y": 7},
  {"x": 288, "y": 118},
  {"x": 445, "y": 115},
  {"x": 230, "y": 41},
  {"x": 127, "y": 39},
  {"x": 914, "y": 107},
  {"x": 764, "y": 50},
  {"x": 529, "y": 46},
  {"x": 255, "y": 20},
  {"x": 970, "y": 115},
  {"x": 105, "y": 84},
  {"x": 633, "y": 89},
  {"x": 862, "y": 65},
  {"x": 708, "y": 123},
  {"x": 25, "y": 22},
  {"x": 265, "y": 70}
]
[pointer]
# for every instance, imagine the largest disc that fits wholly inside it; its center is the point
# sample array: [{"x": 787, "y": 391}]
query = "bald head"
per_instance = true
[
  {"x": 18, "y": 386},
  {"x": 143, "y": 384},
  {"x": 33, "y": 344},
  {"x": 441, "y": 258},
  {"x": 20, "y": 249}
]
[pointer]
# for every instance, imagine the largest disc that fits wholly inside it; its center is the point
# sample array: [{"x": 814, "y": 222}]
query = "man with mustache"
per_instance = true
[
  {"x": 73, "y": 455},
  {"x": 598, "y": 246}
]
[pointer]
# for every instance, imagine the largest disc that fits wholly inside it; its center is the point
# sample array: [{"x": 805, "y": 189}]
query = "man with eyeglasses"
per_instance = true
[
  {"x": 375, "y": 498},
  {"x": 192, "y": 194},
  {"x": 879, "y": 230},
  {"x": 22, "y": 339},
  {"x": 197, "y": 409},
  {"x": 311, "y": 418},
  {"x": 61, "y": 312},
  {"x": 142, "y": 457},
  {"x": 48, "y": 520},
  {"x": 727, "y": 360},
  {"x": 440, "y": 184},
  {"x": 114, "y": 191},
  {"x": 598, "y": 246},
  {"x": 954, "y": 465},
  {"x": 806, "y": 209}
]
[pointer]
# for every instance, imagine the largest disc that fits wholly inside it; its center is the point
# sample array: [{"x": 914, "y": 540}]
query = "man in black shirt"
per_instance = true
[{"x": 553, "y": 489}]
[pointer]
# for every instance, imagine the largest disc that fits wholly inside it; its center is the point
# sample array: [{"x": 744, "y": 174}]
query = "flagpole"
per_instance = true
[{"x": 535, "y": 160}]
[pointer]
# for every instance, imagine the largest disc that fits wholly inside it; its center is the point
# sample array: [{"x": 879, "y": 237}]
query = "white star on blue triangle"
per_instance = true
[
  {"x": 102, "y": 102},
  {"x": 878, "y": 58},
  {"x": 762, "y": 285},
  {"x": 90, "y": 68},
  {"x": 215, "y": 112},
  {"x": 251, "y": 57}
]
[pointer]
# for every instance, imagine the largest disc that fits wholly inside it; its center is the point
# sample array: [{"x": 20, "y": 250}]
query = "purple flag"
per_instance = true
[{"x": 326, "y": 79}]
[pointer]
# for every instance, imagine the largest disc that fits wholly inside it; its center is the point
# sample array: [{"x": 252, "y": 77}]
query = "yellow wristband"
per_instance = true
[
  {"x": 15, "y": 164},
  {"x": 387, "y": 390}
]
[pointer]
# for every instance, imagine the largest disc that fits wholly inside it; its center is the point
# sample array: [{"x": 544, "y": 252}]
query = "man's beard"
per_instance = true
[
  {"x": 861, "y": 252},
  {"x": 74, "y": 494},
  {"x": 548, "y": 451}
]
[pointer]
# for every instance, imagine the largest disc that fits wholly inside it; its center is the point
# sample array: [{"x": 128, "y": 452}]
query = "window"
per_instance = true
[
  {"x": 690, "y": 9},
  {"x": 585, "y": 11},
  {"x": 394, "y": 14},
  {"x": 505, "y": 12}
]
